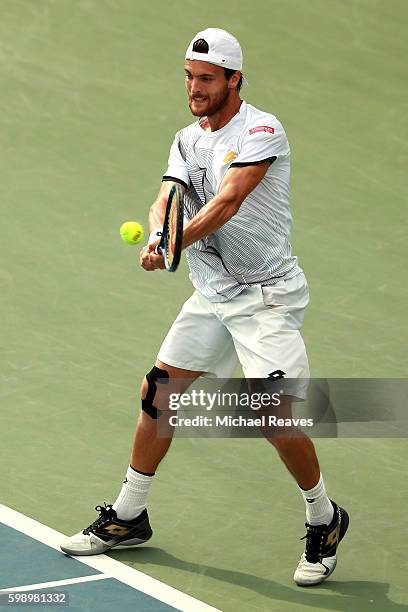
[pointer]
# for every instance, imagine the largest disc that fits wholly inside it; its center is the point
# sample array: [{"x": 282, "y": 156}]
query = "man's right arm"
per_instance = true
[
  {"x": 158, "y": 208},
  {"x": 176, "y": 172}
]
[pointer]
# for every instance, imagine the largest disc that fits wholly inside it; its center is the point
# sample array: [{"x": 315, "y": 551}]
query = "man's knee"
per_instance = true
[{"x": 148, "y": 390}]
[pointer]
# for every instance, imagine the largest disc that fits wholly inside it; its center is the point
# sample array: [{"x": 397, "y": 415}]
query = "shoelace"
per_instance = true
[
  {"x": 104, "y": 516},
  {"x": 314, "y": 543}
]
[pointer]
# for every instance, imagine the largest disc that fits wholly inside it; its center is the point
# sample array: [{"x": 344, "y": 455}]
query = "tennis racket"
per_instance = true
[{"x": 172, "y": 233}]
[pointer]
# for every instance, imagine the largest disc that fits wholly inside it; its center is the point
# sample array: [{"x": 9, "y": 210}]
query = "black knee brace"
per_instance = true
[{"x": 147, "y": 403}]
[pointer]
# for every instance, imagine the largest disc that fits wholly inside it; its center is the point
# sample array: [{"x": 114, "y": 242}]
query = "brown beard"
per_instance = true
[{"x": 215, "y": 105}]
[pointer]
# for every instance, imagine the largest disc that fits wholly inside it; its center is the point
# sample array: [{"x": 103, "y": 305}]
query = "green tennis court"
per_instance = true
[{"x": 91, "y": 94}]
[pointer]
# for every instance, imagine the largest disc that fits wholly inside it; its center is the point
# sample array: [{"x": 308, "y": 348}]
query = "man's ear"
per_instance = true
[{"x": 234, "y": 80}]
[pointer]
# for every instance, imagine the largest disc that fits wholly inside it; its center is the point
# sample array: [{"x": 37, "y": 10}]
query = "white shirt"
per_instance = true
[{"x": 253, "y": 246}]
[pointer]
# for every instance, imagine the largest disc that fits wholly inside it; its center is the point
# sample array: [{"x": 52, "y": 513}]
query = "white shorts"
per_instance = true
[{"x": 260, "y": 327}]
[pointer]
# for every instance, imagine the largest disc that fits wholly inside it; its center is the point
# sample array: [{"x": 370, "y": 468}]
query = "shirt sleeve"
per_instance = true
[
  {"x": 177, "y": 167},
  {"x": 265, "y": 140}
]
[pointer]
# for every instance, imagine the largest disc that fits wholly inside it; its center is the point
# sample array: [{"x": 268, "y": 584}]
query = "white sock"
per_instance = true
[
  {"x": 319, "y": 509},
  {"x": 132, "y": 499}
]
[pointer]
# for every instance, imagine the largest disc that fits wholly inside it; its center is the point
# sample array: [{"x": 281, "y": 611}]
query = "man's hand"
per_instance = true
[{"x": 149, "y": 260}]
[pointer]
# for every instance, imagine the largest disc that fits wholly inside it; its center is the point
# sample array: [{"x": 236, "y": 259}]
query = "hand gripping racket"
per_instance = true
[{"x": 172, "y": 233}]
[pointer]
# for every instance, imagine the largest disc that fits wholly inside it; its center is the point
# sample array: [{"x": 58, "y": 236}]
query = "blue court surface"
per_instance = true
[{"x": 31, "y": 562}]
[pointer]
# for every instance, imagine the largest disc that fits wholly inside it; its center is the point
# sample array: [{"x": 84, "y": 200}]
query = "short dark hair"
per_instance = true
[{"x": 201, "y": 46}]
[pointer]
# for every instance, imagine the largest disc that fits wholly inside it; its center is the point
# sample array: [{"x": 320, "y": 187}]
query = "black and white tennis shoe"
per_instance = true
[
  {"x": 320, "y": 557},
  {"x": 108, "y": 531}
]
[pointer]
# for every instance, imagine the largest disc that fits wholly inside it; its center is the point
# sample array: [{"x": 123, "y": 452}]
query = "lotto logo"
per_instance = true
[
  {"x": 230, "y": 157},
  {"x": 262, "y": 128}
]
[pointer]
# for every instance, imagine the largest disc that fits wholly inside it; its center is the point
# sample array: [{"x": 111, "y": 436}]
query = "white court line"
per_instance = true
[
  {"x": 103, "y": 563},
  {"x": 55, "y": 583}
]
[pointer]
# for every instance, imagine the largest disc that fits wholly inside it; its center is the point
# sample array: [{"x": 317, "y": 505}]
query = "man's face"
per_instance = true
[{"x": 207, "y": 87}]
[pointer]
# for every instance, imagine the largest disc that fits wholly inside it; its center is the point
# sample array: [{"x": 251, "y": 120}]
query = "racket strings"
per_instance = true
[{"x": 173, "y": 229}]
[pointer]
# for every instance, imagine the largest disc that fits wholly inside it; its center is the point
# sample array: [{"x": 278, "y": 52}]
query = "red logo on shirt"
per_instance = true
[{"x": 262, "y": 128}]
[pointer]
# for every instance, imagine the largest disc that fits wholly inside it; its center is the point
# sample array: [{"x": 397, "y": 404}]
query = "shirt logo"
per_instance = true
[
  {"x": 262, "y": 128},
  {"x": 229, "y": 157}
]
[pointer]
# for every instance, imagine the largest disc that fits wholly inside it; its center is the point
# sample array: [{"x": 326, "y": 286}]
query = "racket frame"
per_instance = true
[{"x": 176, "y": 190}]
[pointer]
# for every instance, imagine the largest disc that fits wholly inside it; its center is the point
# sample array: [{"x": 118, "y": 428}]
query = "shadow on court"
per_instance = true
[{"x": 352, "y": 596}]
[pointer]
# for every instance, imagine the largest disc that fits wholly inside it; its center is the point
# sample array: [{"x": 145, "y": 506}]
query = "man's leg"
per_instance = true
[
  {"x": 148, "y": 448},
  {"x": 152, "y": 439},
  {"x": 299, "y": 456},
  {"x": 126, "y": 522},
  {"x": 326, "y": 523},
  {"x": 197, "y": 342},
  {"x": 265, "y": 322},
  {"x": 297, "y": 452}
]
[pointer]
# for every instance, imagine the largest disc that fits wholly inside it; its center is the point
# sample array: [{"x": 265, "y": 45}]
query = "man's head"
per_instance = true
[{"x": 213, "y": 71}]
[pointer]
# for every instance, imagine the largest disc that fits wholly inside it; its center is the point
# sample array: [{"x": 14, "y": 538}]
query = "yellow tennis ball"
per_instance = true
[{"x": 131, "y": 232}]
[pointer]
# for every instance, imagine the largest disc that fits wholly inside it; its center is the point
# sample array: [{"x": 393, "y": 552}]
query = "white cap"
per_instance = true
[{"x": 223, "y": 49}]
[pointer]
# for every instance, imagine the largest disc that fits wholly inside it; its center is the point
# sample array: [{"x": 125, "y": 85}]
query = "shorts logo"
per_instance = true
[
  {"x": 262, "y": 128},
  {"x": 229, "y": 157},
  {"x": 276, "y": 375}
]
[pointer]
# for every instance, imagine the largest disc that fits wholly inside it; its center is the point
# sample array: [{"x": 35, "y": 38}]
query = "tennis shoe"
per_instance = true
[
  {"x": 320, "y": 557},
  {"x": 108, "y": 531}
]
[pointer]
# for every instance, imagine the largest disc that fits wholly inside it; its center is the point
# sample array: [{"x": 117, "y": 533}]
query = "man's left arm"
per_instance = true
[{"x": 236, "y": 186}]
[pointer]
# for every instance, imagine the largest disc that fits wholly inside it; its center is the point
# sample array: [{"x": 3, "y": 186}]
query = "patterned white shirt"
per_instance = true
[{"x": 253, "y": 246}]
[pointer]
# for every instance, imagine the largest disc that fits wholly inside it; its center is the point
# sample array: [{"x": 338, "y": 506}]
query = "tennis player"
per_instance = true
[{"x": 249, "y": 300}]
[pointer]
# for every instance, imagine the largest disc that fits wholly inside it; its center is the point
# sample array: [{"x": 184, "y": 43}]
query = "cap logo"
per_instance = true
[{"x": 262, "y": 128}]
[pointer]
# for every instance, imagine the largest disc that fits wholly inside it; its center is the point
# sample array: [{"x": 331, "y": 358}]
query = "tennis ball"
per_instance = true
[{"x": 131, "y": 232}]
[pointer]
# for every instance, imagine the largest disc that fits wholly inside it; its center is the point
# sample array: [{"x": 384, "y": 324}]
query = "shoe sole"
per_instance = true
[{"x": 104, "y": 549}]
